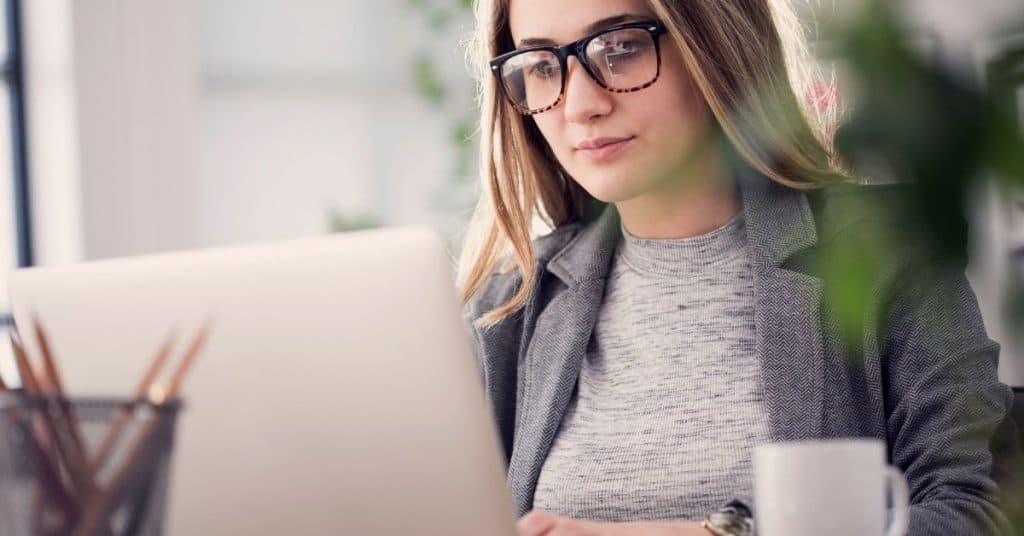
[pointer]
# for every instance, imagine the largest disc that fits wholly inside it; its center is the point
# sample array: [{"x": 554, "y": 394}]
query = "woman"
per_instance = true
[{"x": 674, "y": 318}]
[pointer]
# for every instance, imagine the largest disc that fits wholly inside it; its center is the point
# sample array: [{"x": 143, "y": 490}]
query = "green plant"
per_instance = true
[
  {"x": 918, "y": 123},
  {"x": 454, "y": 200},
  {"x": 357, "y": 221}
]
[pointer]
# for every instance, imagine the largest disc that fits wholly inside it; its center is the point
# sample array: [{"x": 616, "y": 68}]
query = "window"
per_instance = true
[{"x": 15, "y": 244}]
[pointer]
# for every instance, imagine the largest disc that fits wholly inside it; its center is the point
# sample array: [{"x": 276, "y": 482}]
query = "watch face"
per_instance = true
[{"x": 729, "y": 523}]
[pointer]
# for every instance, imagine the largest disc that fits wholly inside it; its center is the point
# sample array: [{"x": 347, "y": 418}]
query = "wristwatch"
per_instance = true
[{"x": 733, "y": 520}]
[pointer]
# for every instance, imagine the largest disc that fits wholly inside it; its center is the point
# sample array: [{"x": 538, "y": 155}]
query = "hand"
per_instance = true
[{"x": 540, "y": 523}]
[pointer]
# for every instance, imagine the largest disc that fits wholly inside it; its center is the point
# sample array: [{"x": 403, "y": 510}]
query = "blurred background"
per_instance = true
[{"x": 139, "y": 126}]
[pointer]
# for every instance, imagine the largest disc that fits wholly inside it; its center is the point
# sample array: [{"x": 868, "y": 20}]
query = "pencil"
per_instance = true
[
  {"x": 190, "y": 356},
  {"x": 66, "y": 434},
  {"x": 106, "y": 445},
  {"x": 49, "y": 472},
  {"x": 55, "y": 384},
  {"x": 143, "y": 448}
]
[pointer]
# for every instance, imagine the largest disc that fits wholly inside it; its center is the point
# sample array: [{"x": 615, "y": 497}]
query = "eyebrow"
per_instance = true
[{"x": 589, "y": 29}]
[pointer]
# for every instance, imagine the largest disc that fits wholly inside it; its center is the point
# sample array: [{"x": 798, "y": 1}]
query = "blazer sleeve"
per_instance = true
[{"x": 943, "y": 401}]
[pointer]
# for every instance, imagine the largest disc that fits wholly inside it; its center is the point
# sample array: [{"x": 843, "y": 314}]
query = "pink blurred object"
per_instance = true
[{"x": 825, "y": 95}]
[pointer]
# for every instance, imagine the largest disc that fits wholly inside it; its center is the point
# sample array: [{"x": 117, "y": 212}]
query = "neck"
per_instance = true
[{"x": 692, "y": 207}]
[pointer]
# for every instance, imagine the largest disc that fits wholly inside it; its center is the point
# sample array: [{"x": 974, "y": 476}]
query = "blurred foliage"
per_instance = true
[
  {"x": 426, "y": 80},
  {"x": 923, "y": 124},
  {"x": 918, "y": 123},
  {"x": 454, "y": 201},
  {"x": 441, "y": 16},
  {"x": 357, "y": 221}
]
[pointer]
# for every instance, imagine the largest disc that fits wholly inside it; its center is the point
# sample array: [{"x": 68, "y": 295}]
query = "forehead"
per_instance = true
[{"x": 564, "y": 21}]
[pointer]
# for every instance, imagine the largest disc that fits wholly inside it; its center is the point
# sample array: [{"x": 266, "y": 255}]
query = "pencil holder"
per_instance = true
[{"x": 84, "y": 466}]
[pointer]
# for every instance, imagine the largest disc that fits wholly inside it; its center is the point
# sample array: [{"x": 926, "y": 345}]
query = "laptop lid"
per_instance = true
[{"x": 337, "y": 394}]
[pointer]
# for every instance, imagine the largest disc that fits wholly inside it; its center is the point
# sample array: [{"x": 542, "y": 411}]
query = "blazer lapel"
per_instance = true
[
  {"x": 787, "y": 308},
  {"x": 551, "y": 362},
  {"x": 548, "y": 379}
]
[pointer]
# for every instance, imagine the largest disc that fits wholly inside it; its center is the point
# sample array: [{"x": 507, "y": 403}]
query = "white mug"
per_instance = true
[{"x": 835, "y": 487}]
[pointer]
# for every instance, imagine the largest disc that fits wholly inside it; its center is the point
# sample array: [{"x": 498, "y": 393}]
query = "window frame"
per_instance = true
[{"x": 13, "y": 76}]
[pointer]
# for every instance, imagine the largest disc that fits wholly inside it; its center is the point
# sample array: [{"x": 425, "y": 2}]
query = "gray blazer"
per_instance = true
[{"x": 921, "y": 374}]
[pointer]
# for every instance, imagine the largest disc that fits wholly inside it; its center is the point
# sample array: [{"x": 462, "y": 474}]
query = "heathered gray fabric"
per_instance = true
[
  {"x": 922, "y": 377},
  {"x": 668, "y": 405}
]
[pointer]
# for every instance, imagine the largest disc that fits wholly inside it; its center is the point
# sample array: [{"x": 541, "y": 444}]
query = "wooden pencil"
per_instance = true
[
  {"x": 187, "y": 361},
  {"x": 66, "y": 431},
  {"x": 143, "y": 449},
  {"x": 49, "y": 471},
  {"x": 56, "y": 387},
  {"x": 116, "y": 430}
]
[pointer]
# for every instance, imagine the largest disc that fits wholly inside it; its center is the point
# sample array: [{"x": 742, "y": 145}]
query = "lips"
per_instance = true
[
  {"x": 602, "y": 149},
  {"x": 597, "y": 143}
]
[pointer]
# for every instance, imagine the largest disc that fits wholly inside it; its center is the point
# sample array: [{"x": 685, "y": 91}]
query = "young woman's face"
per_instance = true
[{"x": 644, "y": 133}]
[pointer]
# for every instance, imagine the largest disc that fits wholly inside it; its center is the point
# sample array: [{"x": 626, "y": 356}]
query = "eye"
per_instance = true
[
  {"x": 544, "y": 69},
  {"x": 621, "y": 48}
]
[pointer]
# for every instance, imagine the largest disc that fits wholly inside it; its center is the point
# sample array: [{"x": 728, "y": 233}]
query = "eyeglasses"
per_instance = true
[{"x": 620, "y": 59}]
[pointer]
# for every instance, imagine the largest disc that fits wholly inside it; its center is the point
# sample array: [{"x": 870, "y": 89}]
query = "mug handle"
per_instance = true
[{"x": 900, "y": 501}]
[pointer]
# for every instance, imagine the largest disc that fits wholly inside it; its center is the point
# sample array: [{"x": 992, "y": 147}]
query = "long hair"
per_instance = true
[{"x": 748, "y": 59}]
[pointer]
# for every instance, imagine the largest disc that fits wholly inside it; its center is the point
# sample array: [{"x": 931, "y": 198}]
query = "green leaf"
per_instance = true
[
  {"x": 426, "y": 81},
  {"x": 339, "y": 221}
]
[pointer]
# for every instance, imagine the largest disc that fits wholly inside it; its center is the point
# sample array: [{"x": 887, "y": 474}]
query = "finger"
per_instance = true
[
  {"x": 536, "y": 523},
  {"x": 579, "y": 527},
  {"x": 575, "y": 527}
]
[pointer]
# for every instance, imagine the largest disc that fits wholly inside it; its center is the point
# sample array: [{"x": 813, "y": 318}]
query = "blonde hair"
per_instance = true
[{"x": 748, "y": 59}]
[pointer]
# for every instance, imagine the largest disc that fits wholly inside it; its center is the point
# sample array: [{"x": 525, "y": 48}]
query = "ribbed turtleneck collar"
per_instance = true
[{"x": 678, "y": 256}]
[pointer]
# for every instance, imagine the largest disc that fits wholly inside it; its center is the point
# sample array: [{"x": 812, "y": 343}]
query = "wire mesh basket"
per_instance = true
[{"x": 84, "y": 466}]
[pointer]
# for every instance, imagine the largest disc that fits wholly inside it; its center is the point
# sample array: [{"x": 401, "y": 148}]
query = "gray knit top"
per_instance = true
[{"x": 669, "y": 401}]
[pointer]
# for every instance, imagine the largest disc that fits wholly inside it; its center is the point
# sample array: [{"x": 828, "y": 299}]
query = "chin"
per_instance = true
[
  {"x": 612, "y": 182},
  {"x": 609, "y": 188}
]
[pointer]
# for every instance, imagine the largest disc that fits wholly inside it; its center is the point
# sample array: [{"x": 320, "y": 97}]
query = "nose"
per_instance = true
[{"x": 584, "y": 99}]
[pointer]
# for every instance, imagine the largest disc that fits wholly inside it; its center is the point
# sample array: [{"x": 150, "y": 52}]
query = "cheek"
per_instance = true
[
  {"x": 677, "y": 110},
  {"x": 552, "y": 129},
  {"x": 678, "y": 93}
]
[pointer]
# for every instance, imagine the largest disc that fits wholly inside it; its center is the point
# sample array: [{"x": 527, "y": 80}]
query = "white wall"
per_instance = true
[
  {"x": 112, "y": 126},
  {"x": 53, "y": 136},
  {"x": 312, "y": 108},
  {"x": 160, "y": 125},
  {"x": 136, "y": 98},
  {"x": 962, "y": 25}
]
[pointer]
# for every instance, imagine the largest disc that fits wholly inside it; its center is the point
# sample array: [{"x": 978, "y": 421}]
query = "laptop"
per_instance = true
[{"x": 338, "y": 392}]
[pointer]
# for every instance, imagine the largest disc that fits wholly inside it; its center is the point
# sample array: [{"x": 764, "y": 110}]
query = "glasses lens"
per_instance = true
[
  {"x": 532, "y": 79},
  {"x": 623, "y": 59}
]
